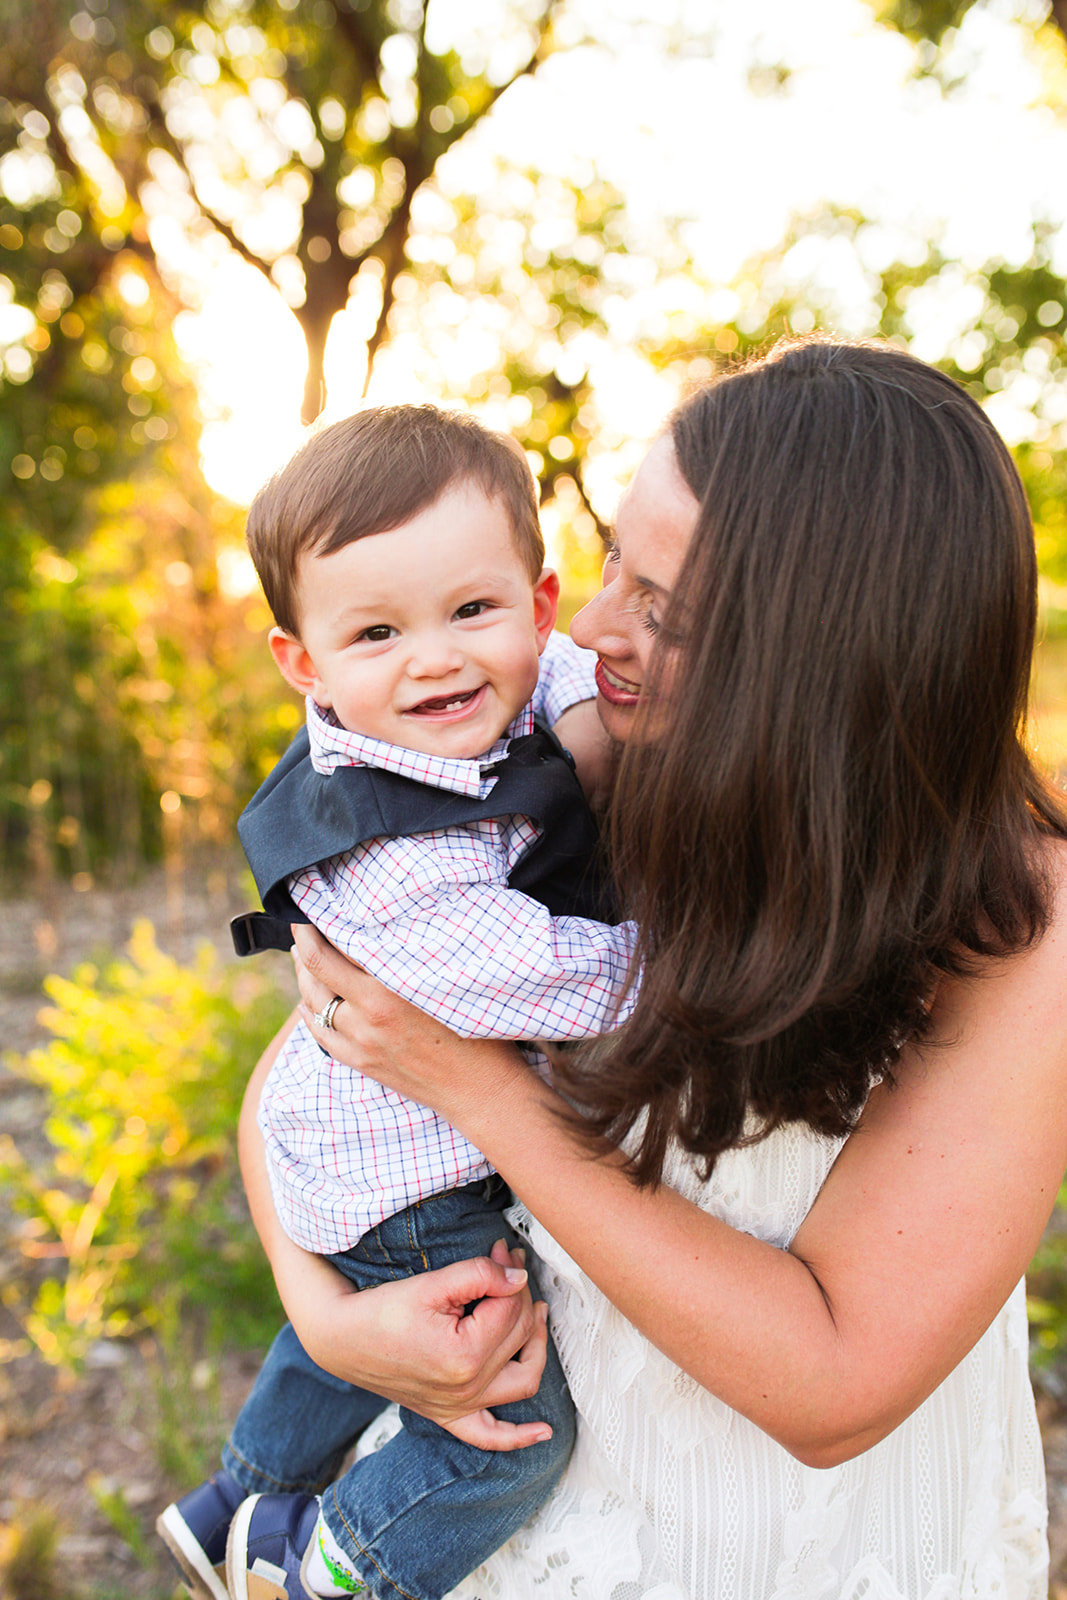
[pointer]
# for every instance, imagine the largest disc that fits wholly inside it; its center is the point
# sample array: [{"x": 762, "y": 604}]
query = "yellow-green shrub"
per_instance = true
[{"x": 140, "y": 1205}]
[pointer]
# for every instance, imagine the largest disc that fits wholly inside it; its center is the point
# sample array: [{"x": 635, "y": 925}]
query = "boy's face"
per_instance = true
[{"x": 427, "y": 636}]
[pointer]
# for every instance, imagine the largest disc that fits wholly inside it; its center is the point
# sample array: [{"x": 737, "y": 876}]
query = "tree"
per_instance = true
[
  {"x": 299, "y": 135},
  {"x": 121, "y": 643},
  {"x": 930, "y": 20},
  {"x": 312, "y": 140},
  {"x": 126, "y": 660},
  {"x": 998, "y": 328}
]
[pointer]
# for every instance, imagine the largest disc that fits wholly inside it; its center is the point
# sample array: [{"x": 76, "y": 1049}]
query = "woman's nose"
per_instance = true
[{"x": 599, "y": 625}]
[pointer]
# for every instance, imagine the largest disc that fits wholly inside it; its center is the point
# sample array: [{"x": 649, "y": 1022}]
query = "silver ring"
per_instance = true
[{"x": 324, "y": 1018}]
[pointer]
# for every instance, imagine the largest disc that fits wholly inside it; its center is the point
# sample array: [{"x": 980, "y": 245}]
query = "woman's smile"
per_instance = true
[
  {"x": 619, "y": 691},
  {"x": 654, "y": 525}
]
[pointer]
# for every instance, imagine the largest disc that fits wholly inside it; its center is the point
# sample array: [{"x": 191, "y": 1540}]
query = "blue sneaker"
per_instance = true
[
  {"x": 270, "y": 1537},
  {"x": 194, "y": 1530}
]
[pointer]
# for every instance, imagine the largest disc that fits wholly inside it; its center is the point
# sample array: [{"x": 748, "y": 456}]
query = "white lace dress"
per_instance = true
[{"x": 670, "y": 1495}]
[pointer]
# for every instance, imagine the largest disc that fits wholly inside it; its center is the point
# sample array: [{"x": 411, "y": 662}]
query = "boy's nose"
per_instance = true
[{"x": 434, "y": 657}]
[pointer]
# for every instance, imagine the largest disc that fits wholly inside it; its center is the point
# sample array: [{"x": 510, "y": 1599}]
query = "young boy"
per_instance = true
[{"x": 436, "y": 836}]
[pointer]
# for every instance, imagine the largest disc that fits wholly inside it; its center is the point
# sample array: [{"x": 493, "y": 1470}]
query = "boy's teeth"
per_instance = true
[{"x": 447, "y": 705}]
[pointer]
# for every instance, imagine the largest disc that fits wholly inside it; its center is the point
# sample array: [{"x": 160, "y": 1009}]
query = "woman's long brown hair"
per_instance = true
[{"x": 842, "y": 806}]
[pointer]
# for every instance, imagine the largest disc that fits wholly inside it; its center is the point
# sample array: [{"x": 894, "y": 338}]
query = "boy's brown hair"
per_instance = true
[{"x": 375, "y": 471}]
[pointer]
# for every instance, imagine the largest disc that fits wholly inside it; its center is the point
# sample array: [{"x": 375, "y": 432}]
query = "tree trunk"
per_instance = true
[{"x": 315, "y": 317}]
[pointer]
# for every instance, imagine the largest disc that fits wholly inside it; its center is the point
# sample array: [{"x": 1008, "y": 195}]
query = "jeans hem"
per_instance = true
[{"x": 253, "y": 1480}]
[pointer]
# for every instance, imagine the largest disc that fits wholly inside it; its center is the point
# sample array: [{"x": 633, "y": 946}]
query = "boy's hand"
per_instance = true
[{"x": 581, "y": 732}]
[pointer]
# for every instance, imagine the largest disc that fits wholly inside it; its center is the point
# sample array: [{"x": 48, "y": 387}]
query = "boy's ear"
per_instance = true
[
  {"x": 546, "y": 604},
  {"x": 295, "y": 665}
]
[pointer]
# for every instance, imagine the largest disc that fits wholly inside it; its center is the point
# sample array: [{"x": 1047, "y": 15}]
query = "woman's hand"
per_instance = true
[
  {"x": 412, "y": 1341},
  {"x": 394, "y": 1042},
  {"x": 409, "y": 1340}
]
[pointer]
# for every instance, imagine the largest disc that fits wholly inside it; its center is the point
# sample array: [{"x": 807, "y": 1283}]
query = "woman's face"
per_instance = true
[{"x": 653, "y": 527}]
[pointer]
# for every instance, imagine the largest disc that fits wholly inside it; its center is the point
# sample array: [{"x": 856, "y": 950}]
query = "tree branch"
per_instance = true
[
  {"x": 573, "y": 470},
  {"x": 390, "y": 252},
  {"x": 602, "y": 528},
  {"x": 165, "y": 140},
  {"x": 541, "y": 51},
  {"x": 357, "y": 38}
]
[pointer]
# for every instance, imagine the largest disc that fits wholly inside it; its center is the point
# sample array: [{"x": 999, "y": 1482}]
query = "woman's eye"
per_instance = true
[
  {"x": 612, "y": 553},
  {"x": 473, "y": 608},
  {"x": 650, "y": 622},
  {"x": 376, "y": 635}
]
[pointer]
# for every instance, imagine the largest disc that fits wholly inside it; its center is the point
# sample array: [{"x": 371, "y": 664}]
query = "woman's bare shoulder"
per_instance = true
[
  {"x": 994, "y": 1062},
  {"x": 937, "y": 1203},
  {"x": 1056, "y": 858},
  {"x": 1046, "y": 958},
  {"x": 1000, "y": 991}
]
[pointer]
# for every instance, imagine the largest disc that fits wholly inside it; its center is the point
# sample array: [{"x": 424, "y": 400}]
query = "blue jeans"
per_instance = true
[{"x": 418, "y": 1515}]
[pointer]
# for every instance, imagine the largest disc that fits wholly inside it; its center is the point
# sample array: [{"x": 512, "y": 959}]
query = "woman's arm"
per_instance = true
[
  {"x": 595, "y": 756},
  {"x": 410, "y": 1341},
  {"x": 928, "y": 1219}
]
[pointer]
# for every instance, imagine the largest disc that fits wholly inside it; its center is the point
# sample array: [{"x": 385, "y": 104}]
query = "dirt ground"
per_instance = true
[{"x": 84, "y": 1455}]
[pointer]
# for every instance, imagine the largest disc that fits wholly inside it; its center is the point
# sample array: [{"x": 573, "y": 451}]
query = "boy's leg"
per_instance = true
[
  {"x": 291, "y": 1435},
  {"x": 293, "y": 1431},
  {"x": 425, "y": 1510},
  {"x": 422, "y": 1512}
]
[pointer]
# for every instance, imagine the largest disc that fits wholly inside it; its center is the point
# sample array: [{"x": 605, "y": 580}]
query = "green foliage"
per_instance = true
[
  {"x": 330, "y": 117},
  {"x": 29, "y": 1557},
  {"x": 138, "y": 1216},
  {"x": 138, "y": 705},
  {"x": 1002, "y": 331},
  {"x": 1047, "y": 1299},
  {"x": 130, "y": 671},
  {"x": 73, "y": 790},
  {"x": 926, "y": 20},
  {"x": 190, "y": 1424},
  {"x": 112, "y": 1503},
  {"x": 540, "y": 311}
]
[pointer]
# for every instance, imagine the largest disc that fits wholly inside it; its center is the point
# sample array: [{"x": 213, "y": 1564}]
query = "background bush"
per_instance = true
[{"x": 138, "y": 1217}]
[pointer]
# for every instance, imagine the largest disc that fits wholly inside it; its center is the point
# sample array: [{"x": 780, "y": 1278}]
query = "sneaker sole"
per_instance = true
[{"x": 199, "y": 1576}]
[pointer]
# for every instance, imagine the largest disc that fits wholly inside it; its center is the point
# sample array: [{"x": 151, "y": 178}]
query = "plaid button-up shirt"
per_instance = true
[{"x": 431, "y": 916}]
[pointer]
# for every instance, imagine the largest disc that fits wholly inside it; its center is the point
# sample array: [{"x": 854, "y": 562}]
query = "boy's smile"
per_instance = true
[
  {"x": 444, "y": 708},
  {"x": 427, "y": 636}
]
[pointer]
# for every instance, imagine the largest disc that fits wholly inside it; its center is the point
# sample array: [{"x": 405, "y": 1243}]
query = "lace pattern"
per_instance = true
[{"x": 670, "y": 1495}]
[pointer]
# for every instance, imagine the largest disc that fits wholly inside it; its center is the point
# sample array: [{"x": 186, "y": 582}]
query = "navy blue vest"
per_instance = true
[{"x": 299, "y": 817}]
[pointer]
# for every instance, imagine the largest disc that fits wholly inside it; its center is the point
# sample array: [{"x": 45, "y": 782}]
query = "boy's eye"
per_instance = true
[
  {"x": 376, "y": 634},
  {"x": 473, "y": 608}
]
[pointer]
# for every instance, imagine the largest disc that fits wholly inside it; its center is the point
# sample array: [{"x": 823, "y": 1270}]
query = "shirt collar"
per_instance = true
[{"x": 333, "y": 746}]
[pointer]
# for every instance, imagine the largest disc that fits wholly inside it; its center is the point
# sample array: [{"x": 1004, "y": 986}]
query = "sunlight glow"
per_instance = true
[
  {"x": 696, "y": 135},
  {"x": 247, "y": 350}
]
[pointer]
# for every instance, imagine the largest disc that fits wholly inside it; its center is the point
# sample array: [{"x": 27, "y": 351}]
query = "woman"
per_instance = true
[{"x": 800, "y": 1359}]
